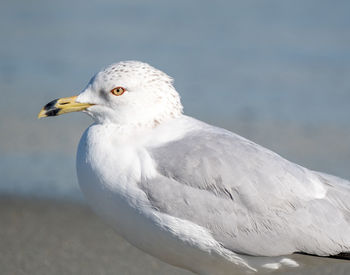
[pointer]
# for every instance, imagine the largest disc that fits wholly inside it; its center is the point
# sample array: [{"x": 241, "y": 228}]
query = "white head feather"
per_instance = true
[{"x": 149, "y": 99}]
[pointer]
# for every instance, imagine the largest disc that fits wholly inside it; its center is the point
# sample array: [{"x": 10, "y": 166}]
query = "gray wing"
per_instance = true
[{"x": 252, "y": 200}]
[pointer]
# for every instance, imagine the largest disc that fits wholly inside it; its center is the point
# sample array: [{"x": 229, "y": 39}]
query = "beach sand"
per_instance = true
[
  {"x": 46, "y": 237},
  {"x": 52, "y": 237}
]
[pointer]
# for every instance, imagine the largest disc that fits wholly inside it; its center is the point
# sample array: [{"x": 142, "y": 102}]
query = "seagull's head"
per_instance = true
[{"x": 128, "y": 92}]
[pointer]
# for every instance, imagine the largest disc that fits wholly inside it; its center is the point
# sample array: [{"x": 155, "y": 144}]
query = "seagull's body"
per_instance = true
[{"x": 194, "y": 195}]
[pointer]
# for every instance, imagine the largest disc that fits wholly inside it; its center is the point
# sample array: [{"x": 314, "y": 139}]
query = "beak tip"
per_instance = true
[{"x": 42, "y": 114}]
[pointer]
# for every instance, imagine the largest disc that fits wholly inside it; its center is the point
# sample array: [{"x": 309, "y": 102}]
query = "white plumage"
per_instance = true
[{"x": 197, "y": 196}]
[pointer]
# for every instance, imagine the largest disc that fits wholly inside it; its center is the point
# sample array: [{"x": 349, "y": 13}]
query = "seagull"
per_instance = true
[{"x": 194, "y": 195}]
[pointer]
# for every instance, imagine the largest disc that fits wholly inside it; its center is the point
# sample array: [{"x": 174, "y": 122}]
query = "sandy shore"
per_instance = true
[
  {"x": 45, "y": 237},
  {"x": 48, "y": 237}
]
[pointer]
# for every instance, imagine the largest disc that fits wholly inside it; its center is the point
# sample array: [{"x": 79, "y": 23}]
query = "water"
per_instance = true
[{"x": 274, "y": 71}]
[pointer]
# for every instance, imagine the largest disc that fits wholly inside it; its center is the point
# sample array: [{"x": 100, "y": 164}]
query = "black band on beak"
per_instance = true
[{"x": 51, "y": 109}]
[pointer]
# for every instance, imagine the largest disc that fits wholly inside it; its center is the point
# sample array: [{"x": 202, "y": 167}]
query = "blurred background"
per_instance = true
[{"x": 276, "y": 72}]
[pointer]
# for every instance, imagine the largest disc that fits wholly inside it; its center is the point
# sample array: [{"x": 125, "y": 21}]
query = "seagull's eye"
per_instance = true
[{"x": 118, "y": 91}]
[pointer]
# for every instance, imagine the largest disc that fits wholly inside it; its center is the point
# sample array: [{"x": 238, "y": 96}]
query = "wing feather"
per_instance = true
[{"x": 252, "y": 200}]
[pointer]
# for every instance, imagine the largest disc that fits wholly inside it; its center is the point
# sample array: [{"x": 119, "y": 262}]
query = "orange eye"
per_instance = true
[{"x": 118, "y": 91}]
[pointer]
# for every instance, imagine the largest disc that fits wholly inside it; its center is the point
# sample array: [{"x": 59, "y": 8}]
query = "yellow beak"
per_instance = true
[{"x": 61, "y": 106}]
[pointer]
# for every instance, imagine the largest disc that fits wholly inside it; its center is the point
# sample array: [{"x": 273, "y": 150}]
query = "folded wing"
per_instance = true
[{"x": 252, "y": 200}]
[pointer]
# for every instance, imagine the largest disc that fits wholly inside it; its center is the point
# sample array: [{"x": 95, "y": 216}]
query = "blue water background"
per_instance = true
[{"x": 277, "y": 72}]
